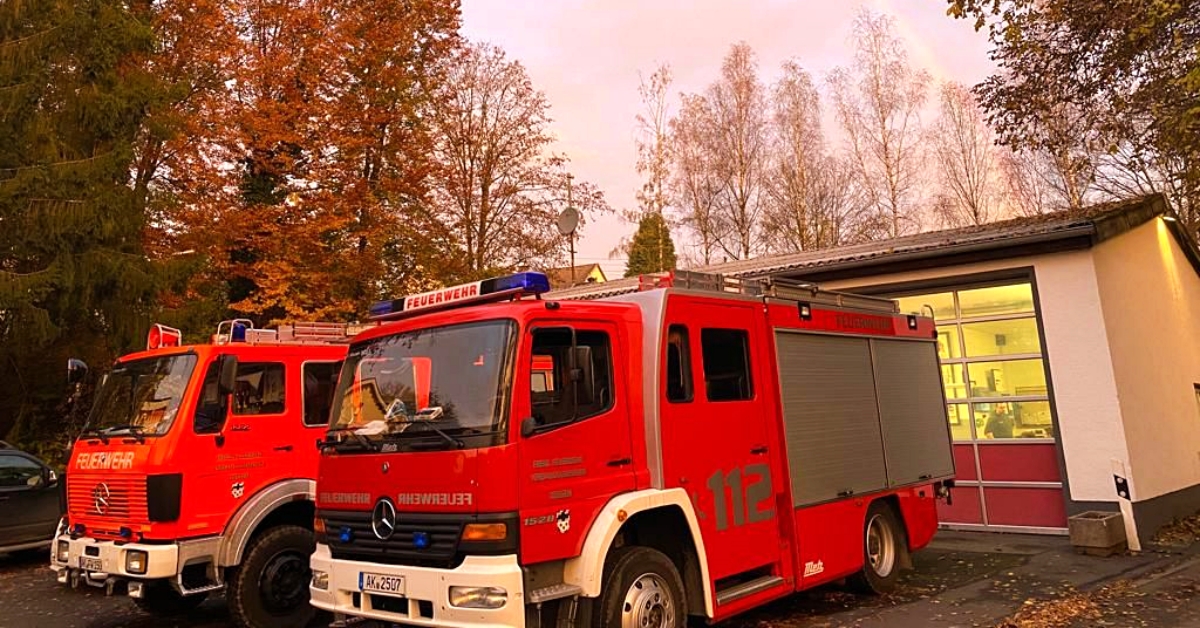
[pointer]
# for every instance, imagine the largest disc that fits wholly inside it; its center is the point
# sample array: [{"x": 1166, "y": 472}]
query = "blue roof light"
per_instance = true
[{"x": 494, "y": 289}]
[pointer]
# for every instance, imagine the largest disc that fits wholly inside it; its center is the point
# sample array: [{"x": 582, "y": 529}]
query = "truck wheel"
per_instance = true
[
  {"x": 161, "y": 599},
  {"x": 270, "y": 587},
  {"x": 884, "y": 546},
  {"x": 642, "y": 589}
]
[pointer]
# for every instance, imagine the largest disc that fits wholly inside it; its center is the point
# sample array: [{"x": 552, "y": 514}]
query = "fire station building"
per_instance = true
[{"x": 1070, "y": 354}]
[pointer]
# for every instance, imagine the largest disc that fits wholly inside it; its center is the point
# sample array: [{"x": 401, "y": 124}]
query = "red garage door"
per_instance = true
[{"x": 995, "y": 377}]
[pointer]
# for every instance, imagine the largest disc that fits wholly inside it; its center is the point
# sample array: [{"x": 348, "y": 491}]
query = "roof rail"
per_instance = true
[
  {"x": 299, "y": 333},
  {"x": 768, "y": 287}
]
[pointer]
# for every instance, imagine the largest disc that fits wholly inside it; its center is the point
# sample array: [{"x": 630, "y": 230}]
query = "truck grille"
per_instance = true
[
  {"x": 106, "y": 502},
  {"x": 442, "y": 533}
]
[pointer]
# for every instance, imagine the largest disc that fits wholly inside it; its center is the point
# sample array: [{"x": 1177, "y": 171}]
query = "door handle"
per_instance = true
[
  {"x": 284, "y": 448},
  {"x": 620, "y": 462},
  {"x": 761, "y": 449}
]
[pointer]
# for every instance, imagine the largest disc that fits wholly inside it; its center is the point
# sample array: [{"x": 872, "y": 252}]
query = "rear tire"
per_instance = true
[
  {"x": 161, "y": 599},
  {"x": 885, "y": 549},
  {"x": 270, "y": 587},
  {"x": 642, "y": 589}
]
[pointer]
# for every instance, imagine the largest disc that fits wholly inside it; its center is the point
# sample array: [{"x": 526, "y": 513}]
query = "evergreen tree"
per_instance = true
[
  {"x": 74, "y": 278},
  {"x": 651, "y": 250}
]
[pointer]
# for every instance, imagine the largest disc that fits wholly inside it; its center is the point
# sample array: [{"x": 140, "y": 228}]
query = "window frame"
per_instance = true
[
  {"x": 610, "y": 335},
  {"x": 686, "y": 368},
  {"x": 284, "y": 376},
  {"x": 304, "y": 392},
  {"x": 747, "y": 364}
]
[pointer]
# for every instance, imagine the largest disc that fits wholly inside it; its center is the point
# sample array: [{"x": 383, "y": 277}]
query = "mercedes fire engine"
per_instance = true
[
  {"x": 195, "y": 472},
  {"x": 699, "y": 447}
]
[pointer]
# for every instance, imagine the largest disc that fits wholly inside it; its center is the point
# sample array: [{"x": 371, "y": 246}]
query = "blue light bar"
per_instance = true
[{"x": 494, "y": 289}]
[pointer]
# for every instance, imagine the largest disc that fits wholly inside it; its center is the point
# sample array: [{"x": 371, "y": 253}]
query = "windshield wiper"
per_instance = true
[
  {"x": 91, "y": 431},
  {"x": 457, "y": 443},
  {"x": 358, "y": 438},
  {"x": 135, "y": 430}
]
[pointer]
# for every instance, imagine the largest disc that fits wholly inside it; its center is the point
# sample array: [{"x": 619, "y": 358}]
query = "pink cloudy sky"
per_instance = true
[{"x": 586, "y": 56}]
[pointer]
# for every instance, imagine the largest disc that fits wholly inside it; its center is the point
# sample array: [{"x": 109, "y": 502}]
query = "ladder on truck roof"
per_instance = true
[
  {"x": 299, "y": 333},
  {"x": 768, "y": 287}
]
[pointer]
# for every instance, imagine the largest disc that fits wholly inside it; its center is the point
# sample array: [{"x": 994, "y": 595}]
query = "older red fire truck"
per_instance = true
[
  {"x": 696, "y": 448},
  {"x": 196, "y": 471}
]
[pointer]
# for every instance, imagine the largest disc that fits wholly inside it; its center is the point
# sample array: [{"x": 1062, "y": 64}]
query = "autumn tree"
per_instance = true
[
  {"x": 498, "y": 188},
  {"x": 878, "y": 100},
  {"x": 737, "y": 103},
  {"x": 74, "y": 278},
  {"x": 1126, "y": 77},
  {"x": 814, "y": 201},
  {"x": 695, "y": 180},
  {"x": 652, "y": 249},
  {"x": 966, "y": 159},
  {"x": 324, "y": 121}
]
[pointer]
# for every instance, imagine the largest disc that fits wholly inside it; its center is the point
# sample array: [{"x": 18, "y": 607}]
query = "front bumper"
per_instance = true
[
  {"x": 426, "y": 592},
  {"x": 162, "y": 561}
]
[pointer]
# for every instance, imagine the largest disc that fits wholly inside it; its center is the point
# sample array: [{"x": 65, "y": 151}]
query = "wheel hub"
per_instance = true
[
  {"x": 648, "y": 604},
  {"x": 881, "y": 546},
  {"x": 284, "y": 582}
]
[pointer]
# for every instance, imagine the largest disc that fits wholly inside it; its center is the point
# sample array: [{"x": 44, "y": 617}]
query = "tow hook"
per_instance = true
[{"x": 342, "y": 621}]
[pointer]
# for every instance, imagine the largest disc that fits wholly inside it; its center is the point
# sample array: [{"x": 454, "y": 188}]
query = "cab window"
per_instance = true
[
  {"x": 19, "y": 472},
  {"x": 259, "y": 388},
  {"x": 571, "y": 375},
  {"x": 319, "y": 380}
]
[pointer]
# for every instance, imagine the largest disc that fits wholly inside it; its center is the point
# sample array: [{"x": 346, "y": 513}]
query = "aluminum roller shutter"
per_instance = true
[
  {"x": 912, "y": 411},
  {"x": 831, "y": 416}
]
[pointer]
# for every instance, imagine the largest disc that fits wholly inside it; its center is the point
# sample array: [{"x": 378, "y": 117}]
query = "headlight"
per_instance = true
[
  {"x": 478, "y": 597},
  {"x": 63, "y": 551},
  {"x": 135, "y": 561},
  {"x": 320, "y": 580}
]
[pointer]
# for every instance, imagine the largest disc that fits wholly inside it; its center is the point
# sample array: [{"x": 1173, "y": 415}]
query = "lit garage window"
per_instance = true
[{"x": 992, "y": 361}]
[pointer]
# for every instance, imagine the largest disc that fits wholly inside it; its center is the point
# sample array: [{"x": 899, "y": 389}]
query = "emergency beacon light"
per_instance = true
[
  {"x": 162, "y": 336},
  {"x": 494, "y": 289}
]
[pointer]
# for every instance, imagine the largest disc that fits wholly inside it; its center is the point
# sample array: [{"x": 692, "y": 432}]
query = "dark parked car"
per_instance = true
[{"x": 29, "y": 501}]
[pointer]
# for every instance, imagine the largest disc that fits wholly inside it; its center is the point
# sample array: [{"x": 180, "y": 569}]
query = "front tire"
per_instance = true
[
  {"x": 642, "y": 589},
  {"x": 270, "y": 587},
  {"x": 161, "y": 599},
  {"x": 884, "y": 548}
]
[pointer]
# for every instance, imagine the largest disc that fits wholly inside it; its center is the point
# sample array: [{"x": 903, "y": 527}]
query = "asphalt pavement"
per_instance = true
[{"x": 962, "y": 580}]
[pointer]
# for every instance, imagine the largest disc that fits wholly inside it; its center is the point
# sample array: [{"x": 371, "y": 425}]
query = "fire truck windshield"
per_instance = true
[
  {"x": 142, "y": 396},
  {"x": 455, "y": 378}
]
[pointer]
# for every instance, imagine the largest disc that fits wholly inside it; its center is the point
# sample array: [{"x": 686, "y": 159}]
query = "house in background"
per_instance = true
[
  {"x": 584, "y": 274},
  {"x": 1070, "y": 350}
]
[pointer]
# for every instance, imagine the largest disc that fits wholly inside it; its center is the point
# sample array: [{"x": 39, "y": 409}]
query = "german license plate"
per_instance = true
[
  {"x": 380, "y": 583},
  {"x": 87, "y": 563}
]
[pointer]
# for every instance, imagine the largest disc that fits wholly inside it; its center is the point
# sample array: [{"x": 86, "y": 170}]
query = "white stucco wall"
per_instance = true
[
  {"x": 1083, "y": 381},
  {"x": 1151, "y": 300}
]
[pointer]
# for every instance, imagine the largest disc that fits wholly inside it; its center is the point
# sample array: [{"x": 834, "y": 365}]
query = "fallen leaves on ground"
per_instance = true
[
  {"x": 1180, "y": 532},
  {"x": 1068, "y": 609}
]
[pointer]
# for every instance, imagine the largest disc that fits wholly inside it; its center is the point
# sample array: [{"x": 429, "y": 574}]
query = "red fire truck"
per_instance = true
[
  {"x": 697, "y": 448},
  {"x": 196, "y": 471}
]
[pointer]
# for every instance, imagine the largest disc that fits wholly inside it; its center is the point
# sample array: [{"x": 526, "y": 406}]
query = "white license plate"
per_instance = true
[
  {"x": 380, "y": 583},
  {"x": 88, "y": 563}
]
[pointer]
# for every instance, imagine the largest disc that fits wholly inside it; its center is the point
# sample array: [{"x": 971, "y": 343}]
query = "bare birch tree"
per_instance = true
[
  {"x": 695, "y": 182},
  {"x": 653, "y": 140},
  {"x": 738, "y": 104},
  {"x": 966, "y": 158},
  {"x": 877, "y": 101}
]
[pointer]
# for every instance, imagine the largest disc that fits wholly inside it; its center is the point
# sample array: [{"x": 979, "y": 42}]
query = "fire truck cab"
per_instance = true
[
  {"x": 697, "y": 448},
  {"x": 195, "y": 472}
]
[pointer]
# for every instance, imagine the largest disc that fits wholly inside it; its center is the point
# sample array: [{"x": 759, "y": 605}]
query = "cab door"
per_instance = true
[
  {"x": 575, "y": 451},
  {"x": 717, "y": 424},
  {"x": 251, "y": 447}
]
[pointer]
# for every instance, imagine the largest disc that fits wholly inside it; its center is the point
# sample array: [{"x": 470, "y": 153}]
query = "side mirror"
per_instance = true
[
  {"x": 227, "y": 378},
  {"x": 51, "y": 478},
  {"x": 528, "y": 427},
  {"x": 76, "y": 371}
]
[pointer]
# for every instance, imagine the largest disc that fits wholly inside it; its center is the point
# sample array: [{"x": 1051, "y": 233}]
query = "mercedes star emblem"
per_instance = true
[
  {"x": 383, "y": 519},
  {"x": 100, "y": 498}
]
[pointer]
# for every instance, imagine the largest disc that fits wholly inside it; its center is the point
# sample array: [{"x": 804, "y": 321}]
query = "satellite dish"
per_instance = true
[{"x": 568, "y": 221}]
